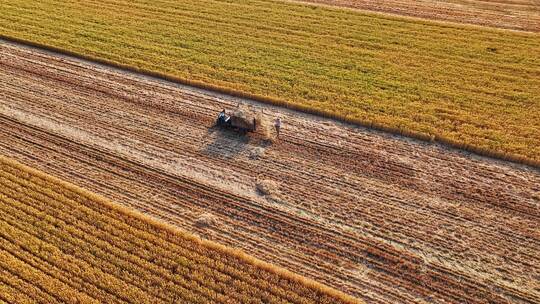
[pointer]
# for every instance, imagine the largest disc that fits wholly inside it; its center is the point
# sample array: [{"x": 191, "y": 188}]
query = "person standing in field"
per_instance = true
[
  {"x": 222, "y": 115},
  {"x": 277, "y": 125}
]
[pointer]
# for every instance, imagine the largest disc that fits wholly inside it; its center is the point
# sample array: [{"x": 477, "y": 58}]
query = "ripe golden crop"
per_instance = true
[
  {"x": 467, "y": 86},
  {"x": 59, "y": 243}
]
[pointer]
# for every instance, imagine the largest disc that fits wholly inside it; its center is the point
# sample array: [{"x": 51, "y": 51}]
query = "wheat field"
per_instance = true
[
  {"x": 468, "y": 86},
  {"x": 59, "y": 243}
]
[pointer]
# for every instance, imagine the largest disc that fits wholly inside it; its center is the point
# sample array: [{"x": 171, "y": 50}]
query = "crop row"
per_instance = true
[
  {"x": 364, "y": 190},
  {"x": 456, "y": 84},
  {"x": 72, "y": 246},
  {"x": 521, "y": 15}
]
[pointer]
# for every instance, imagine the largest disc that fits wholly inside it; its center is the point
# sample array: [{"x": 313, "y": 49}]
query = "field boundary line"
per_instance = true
[
  {"x": 413, "y": 18},
  {"x": 169, "y": 228},
  {"x": 425, "y": 137}
]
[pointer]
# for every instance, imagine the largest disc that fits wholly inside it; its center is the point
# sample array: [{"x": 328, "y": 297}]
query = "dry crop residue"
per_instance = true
[
  {"x": 59, "y": 243},
  {"x": 510, "y": 14},
  {"x": 473, "y": 88},
  {"x": 380, "y": 217}
]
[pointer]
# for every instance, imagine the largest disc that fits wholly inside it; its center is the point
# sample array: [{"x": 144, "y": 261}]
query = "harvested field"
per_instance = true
[
  {"x": 509, "y": 14},
  {"x": 380, "y": 217},
  {"x": 471, "y": 87},
  {"x": 62, "y": 244}
]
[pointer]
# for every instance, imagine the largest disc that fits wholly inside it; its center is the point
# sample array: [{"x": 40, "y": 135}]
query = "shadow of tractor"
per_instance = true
[{"x": 226, "y": 143}]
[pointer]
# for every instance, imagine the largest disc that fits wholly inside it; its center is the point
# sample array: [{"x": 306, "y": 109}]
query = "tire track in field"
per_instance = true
[{"x": 383, "y": 218}]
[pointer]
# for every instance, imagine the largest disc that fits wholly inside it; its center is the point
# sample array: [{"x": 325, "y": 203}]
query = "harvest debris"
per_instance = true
[
  {"x": 431, "y": 223},
  {"x": 57, "y": 246}
]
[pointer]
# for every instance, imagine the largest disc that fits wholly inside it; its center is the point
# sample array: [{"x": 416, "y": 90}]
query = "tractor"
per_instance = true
[{"x": 238, "y": 121}]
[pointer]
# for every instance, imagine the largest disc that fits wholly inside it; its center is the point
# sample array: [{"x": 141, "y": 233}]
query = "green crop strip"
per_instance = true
[{"x": 470, "y": 87}]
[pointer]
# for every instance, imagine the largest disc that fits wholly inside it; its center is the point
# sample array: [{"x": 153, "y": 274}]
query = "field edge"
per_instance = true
[
  {"x": 169, "y": 228},
  {"x": 414, "y": 18},
  {"x": 425, "y": 137}
]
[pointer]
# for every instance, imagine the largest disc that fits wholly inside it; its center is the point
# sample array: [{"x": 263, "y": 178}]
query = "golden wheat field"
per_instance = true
[
  {"x": 471, "y": 87},
  {"x": 59, "y": 243},
  {"x": 270, "y": 151},
  {"x": 379, "y": 217}
]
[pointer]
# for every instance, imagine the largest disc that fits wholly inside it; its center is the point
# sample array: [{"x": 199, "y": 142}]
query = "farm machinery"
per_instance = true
[{"x": 238, "y": 121}]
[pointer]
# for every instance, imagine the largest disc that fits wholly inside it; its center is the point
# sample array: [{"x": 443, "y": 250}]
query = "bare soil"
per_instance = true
[
  {"x": 384, "y": 218},
  {"x": 509, "y": 14}
]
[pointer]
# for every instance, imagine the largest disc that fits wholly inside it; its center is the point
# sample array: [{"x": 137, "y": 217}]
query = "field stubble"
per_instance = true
[
  {"x": 509, "y": 14},
  {"x": 380, "y": 217},
  {"x": 59, "y": 243},
  {"x": 470, "y": 87}
]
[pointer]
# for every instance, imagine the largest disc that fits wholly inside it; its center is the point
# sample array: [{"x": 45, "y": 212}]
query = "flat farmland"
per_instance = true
[
  {"x": 62, "y": 244},
  {"x": 472, "y": 87},
  {"x": 509, "y": 14},
  {"x": 380, "y": 217}
]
